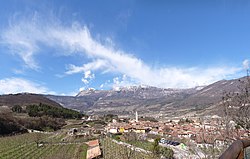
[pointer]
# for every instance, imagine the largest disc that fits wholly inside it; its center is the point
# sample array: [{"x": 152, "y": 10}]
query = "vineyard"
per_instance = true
[
  {"x": 112, "y": 150},
  {"x": 39, "y": 145}
]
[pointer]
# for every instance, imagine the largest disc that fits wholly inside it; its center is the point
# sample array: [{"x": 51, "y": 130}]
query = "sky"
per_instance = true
[{"x": 65, "y": 46}]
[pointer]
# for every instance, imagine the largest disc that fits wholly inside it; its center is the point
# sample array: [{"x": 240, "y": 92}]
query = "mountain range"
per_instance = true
[
  {"x": 146, "y": 100},
  {"x": 151, "y": 101}
]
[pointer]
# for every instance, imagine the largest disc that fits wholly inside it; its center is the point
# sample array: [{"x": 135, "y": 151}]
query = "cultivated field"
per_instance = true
[
  {"x": 39, "y": 145},
  {"x": 112, "y": 150}
]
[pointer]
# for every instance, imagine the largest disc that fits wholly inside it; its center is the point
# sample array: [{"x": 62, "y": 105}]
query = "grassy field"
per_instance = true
[
  {"x": 112, "y": 150},
  {"x": 146, "y": 145},
  {"x": 26, "y": 146}
]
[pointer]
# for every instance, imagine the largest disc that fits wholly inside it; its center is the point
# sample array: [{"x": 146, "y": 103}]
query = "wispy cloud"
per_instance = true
[
  {"x": 94, "y": 65},
  {"x": 20, "y": 40},
  {"x": 246, "y": 64},
  {"x": 24, "y": 38},
  {"x": 19, "y": 85}
]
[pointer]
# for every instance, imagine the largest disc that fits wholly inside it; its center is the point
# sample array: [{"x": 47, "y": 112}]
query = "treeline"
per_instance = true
[
  {"x": 41, "y": 117},
  {"x": 55, "y": 112},
  {"x": 12, "y": 125},
  {"x": 44, "y": 123}
]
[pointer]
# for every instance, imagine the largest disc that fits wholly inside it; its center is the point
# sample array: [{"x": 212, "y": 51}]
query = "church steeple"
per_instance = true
[{"x": 136, "y": 116}]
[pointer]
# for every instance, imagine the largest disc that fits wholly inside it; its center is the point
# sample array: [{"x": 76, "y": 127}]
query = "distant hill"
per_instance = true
[
  {"x": 19, "y": 112},
  {"x": 151, "y": 101},
  {"x": 24, "y": 99}
]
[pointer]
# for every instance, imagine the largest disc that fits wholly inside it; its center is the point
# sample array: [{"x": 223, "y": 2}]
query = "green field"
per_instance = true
[
  {"x": 146, "y": 145},
  {"x": 26, "y": 146},
  {"x": 112, "y": 150}
]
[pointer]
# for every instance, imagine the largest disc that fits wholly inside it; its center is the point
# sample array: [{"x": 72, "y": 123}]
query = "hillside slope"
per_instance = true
[
  {"x": 151, "y": 100},
  {"x": 24, "y": 99}
]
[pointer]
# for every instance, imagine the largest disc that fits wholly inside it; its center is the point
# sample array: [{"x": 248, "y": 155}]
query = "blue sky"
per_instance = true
[{"x": 62, "y": 47}]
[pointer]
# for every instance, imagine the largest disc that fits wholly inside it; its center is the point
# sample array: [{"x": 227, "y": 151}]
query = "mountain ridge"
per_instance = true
[
  {"x": 148, "y": 100},
  {"x": 24, "y": 99}
]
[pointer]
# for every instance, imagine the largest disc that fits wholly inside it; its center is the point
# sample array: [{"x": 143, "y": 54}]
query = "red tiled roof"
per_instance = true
[{"x": 92, "y": 143}]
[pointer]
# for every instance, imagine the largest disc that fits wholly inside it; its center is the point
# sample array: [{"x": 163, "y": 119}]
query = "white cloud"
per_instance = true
[
  {"x": 123, "y": 81},
  {"x": 85, "y": 81},
  {"x": 246, "y": 64},
  {"x": 19, "y": 85},
  {"x": 101, "y": 86},
  {"x": 82, "y": 89},
  {"x": 94, "y": 65},
  {"x": 22, "y": 42},
  {"x": 88, "y": 74},
  {"x": 26, "y": 36},
  {"x": 18, "y": 71}
]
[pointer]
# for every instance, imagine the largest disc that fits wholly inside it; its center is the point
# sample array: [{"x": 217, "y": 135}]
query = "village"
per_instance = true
[{"x": 199, "y": 137}]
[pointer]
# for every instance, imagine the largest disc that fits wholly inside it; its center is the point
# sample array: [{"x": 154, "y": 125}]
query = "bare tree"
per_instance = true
[
  {"x": 242, "y": 103},
  {"x": 237, "y": 104},
  {"x": 226, "y": 103},
  {"x": 38, "y": 138},
  {"x": 127, "y": 151}
]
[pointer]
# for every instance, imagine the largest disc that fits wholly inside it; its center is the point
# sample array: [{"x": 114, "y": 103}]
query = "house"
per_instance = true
[
  {"x": 113, "y": 130},
  {"x": 121, "y": 130},
  {"x": 72, "y": 131},
  {"x": 127, "y": 128},
  {"x": 139, "y": 129},
  {"x": 183, "y": 134},
  {"x": 154, "y": 131},
  {"x": 220, "y": 142},
  {"x": 84, "y": 131},
  {"x": 93, "y": 149}
]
